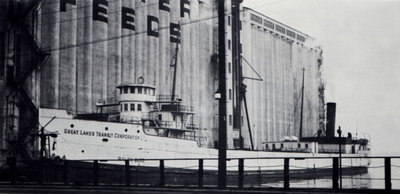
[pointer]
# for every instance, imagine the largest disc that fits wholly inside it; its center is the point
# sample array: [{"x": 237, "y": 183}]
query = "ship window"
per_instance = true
[
  {"x": 145, "y": 90},
  {"x": 229, "y": 20},
  {"x": 298, "y": 145},
  {"x": 72, "y": 125},
  {"x": 242, "y": 120},
  {"x": 132, "y": 90},
  {"x": 267, "y": 146},
  {"x": 306, "y": 145},
  {"x": 230, "y": 94},
  {"x": 229, "y": 44},
  {"x": 173, "y": 117},
  {"x": 121, "y": 107},
  {"x": 230, "y": 119},
  {"x": 139, "y": 90},
  {"x": 132, "y": 107},
  {"x": 229, "y": 67},
  {"x": 125, "y": 107},
  {"x": 139, "y": 107},
  {"x": 125, "y": 90},
  {"x": 281, "y": 145},
  {"x": 236, "y": 143},
  {"x": 160, "y": 117},
  {"x": 120, "y": 91}
]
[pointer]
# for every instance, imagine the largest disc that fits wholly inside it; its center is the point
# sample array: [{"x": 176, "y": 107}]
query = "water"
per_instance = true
[{"x": 374, "y": 179}]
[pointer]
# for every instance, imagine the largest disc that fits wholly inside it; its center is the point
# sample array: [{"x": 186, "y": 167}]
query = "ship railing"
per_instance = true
[
  {"x": 242, "y": 173},
  {"x": 131, "y": 119},
  {"x": 331, "y": 151},
  {"x": 304, "y": 150},
  {"x": 172, "y": 108},
  {"x": 166, "y": 98},
  {"x": 111, "y": 100},
  {"x": 169, "y": 124},
  {"x": 149, "y": 117},
  {"x": 177, "y": 108},
  {"x": 192, "y": 126},
  {"x": 173, "y": 124}
]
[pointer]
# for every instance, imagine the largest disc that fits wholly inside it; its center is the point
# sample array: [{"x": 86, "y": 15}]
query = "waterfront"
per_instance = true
[{"x": 374, "y": 179}]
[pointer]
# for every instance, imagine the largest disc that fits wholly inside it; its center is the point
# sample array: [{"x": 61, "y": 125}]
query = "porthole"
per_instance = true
[
  {"x": 105, "y": 140},
  {"x": 83, "y": 151},
  {"x": 106, "y": 128},
  {"x": 138, "y": 131},
  {"x": 126, "y": 130},
  {"x": 72, "y": 125}
]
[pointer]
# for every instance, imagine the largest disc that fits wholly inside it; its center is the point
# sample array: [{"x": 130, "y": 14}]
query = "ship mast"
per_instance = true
[
  {"x": 301, "y": 110},
  {"x": 174, "y": 63}
]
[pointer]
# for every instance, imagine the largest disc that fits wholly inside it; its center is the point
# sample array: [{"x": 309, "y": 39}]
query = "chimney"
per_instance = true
[{"x": 330, "y": 119}]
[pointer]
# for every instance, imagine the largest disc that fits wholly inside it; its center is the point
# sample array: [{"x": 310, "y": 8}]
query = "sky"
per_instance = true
[{"x": 360, "y": 40}]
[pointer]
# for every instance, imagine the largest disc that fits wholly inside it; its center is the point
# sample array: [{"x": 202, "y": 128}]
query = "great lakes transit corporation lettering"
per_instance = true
[{"x": 100, "y": 134}]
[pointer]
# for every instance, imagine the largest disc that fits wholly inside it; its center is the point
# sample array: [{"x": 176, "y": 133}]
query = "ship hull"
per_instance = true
[{"x": 114, "y": 142}]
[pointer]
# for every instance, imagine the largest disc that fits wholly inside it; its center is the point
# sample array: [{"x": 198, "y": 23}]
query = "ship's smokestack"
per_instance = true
[{"x": 330, "y": 119}]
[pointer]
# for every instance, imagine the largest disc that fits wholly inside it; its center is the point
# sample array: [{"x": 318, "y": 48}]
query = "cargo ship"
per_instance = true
[{"x": 159, "y": 127}]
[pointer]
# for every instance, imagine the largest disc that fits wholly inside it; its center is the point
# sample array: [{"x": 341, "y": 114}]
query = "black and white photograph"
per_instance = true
[{"x": 199, "y": 96}]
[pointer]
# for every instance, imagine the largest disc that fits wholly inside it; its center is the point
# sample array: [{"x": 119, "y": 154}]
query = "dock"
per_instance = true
[
  {"x": 104, "y": 176},
  {"x": 61, "y": 189}
]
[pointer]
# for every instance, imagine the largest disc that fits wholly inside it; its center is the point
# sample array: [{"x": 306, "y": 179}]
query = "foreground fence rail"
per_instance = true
[{"x": 198, "y": 172}]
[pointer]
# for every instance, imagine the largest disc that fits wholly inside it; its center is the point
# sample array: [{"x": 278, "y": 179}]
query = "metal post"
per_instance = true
[
  {"x": 248, "y": 121},
  {"x": 388, "y": 174},
  {"x": 241, "y": 172},
  {"x": 12, "y": 162},
  {"x": 127, "y": 173},
  {"x": 41, "y": 180},
  {"x": 335, "y": 176},
  {"x": 162, "y": 175},
  {"x": 42, "y": 137},
  {"x": 340, "y": 156},
  {"x": 200, "y": 172},
  {"x": 96, "y": 172},
  {"x": 286, "y": 173},
  {"x": 222, "y": 101},
  {"x": 65, "y": 172}
]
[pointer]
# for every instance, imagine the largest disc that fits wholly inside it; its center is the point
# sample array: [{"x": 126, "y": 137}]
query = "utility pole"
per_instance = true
[
  {"x": 174, "y": 63},
  {"x": 222, "y": 100},
  {"x": 301, "y": 110}
]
